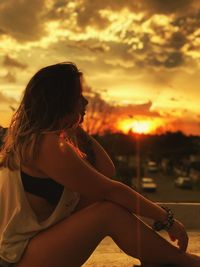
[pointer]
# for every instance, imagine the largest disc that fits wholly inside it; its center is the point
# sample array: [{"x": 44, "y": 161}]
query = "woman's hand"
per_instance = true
[{"x": 178, "y": 232}]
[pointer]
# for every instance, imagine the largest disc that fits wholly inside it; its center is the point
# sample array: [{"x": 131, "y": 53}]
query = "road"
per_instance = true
[{"x": 167, "y": 192}]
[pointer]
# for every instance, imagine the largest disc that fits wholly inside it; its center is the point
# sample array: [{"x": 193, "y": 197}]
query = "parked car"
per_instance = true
[
  {"x": 152, "y": 166},
  {"x": 183, "y": 182},
  {"x": 148, "y": 184}
]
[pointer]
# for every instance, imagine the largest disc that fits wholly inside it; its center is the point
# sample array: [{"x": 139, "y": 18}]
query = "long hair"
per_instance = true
[{"x": 51, "y": 94}]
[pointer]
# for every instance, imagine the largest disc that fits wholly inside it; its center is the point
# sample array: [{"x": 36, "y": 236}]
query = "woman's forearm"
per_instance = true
[{"x": 135, "y": 203}]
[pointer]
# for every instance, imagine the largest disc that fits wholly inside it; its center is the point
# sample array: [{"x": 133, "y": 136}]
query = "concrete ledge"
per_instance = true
[
  {"x": 187, "y": 213},
  {"x": 108, "y": 254}
]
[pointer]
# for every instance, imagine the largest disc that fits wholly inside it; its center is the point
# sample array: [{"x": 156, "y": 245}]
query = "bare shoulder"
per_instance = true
[
  {"x": 58, "y": 159},
  {"x": 54, "y": 147}
]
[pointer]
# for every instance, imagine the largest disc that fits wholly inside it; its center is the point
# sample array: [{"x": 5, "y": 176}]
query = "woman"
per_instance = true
[{"x": 55, "y": 205}]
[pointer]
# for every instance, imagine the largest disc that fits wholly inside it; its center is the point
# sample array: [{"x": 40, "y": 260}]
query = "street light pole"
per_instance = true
[{"x": 138, "y": 163}]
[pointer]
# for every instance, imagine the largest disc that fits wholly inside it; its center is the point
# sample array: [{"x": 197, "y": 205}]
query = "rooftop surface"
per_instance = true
[{"x": 108, "y": 254}]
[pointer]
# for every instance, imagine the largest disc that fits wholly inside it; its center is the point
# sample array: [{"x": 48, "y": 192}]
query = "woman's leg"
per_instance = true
[{"x": 71, "y": 242}]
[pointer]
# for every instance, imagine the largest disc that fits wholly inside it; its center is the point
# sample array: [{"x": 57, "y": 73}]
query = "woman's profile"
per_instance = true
[{"x": 57, "y": 198}]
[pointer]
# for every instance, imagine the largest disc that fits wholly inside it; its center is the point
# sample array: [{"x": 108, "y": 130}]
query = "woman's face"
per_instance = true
[
  {"x": 75, "y": 118},
  {"x": 81, "y": 109}
]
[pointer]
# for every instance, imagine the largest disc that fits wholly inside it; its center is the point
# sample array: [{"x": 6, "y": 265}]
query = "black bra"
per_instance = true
[{"x": 45, "y": 188}]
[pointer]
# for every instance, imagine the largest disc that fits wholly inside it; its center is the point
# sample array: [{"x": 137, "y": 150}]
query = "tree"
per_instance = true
[{"x": 100, "y": 116}]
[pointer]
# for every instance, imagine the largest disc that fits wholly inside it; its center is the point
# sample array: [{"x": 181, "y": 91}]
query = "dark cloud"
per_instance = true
[
  {"x": 13, "y": 63},
  {"x": 87, "y": 11},
  {"x": 174, "y": 99},
  {"x": 165, "y": 54},
  {"x": 174, "y": 60},
  {"x": 188, "y": 23},
  {"x": 92, "y": 45},
  {"x": 2, "y": 32},
  {"x": 149, "y": 7},
  {"x": 99, "y": 47},
  {"x": 159, "y": 60},
  {"x": 22, "y": 19},
  {"x": 177, "y": 40},
  {"x": 58, "y": 10},
  {"x": 166, "y": 6}
]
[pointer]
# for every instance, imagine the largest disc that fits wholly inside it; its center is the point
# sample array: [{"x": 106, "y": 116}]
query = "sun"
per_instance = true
[{"x": 140, "y": 126}]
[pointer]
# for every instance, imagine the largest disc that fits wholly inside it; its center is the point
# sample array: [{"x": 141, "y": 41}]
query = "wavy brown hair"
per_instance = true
[{"x": 51, "y": 94}]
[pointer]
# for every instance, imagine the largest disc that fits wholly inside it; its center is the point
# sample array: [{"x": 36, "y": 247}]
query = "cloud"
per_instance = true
[
  {"x": 22, "y": 20},
  {"x": 173, "y": 60},
  {"x": 157, "y": 37},
  {"x": 13, "y": 63},
  {"x": 97, "y": 103},
  {"x": 177, "y": 40},
  {"x": 150, "y": 7},
  {"x": 2, "y": 32},
  {"x": 167, "y": 6},
  {"x": 10, "y": 77},
  {"x": 93, "y": 7},
  {"x": 143, "y": 109},
  {"x": 93, "y": 45},
  {"x": 188, "y": 126},
  {"x": 174, "y": 99},
  {"x": 62, "y": 9},
  {"x": 4, "y": 99},
  {"x": 161, "y": 21}
]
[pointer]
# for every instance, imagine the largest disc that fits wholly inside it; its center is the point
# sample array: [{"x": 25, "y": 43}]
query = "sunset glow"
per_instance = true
[{"x": 143, "y": 126}]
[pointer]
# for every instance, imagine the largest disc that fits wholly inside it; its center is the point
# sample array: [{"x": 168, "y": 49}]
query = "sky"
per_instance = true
[{"x": 142, "y": 57}]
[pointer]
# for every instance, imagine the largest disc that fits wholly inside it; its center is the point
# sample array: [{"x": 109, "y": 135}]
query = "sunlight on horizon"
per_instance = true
[{"x": 141, "y": 125}]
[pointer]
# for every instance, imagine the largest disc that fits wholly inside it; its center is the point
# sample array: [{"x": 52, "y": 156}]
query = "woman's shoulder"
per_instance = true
[
  {"x": 49, "y": 139},
  {"x": 56, "y": 147}
]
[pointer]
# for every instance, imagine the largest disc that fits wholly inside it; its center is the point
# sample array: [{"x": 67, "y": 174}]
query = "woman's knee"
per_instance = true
[{"x": 110, "y": 210}]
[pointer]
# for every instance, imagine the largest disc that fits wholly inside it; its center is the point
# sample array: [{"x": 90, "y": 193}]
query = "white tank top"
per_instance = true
[{"x": 18, "y": 222}]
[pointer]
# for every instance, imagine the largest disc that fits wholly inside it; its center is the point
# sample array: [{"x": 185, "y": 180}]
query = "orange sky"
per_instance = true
[{"x": 141, "y": 56}]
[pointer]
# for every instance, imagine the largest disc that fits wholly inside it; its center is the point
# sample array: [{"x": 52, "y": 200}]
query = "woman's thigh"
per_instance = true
[{"x": 70, "y": 242}]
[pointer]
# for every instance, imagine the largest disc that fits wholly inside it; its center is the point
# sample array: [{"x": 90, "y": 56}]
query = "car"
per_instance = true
[
  {"x": 148, "y": 184},
  {"x": 183, "y": 182},
  {"x": 152, "y": 166}
]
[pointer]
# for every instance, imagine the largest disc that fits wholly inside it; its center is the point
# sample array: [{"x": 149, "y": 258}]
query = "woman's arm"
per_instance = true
[
  {"x": 96, "y": 154},
  {"x": 58, "y": 160}
]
